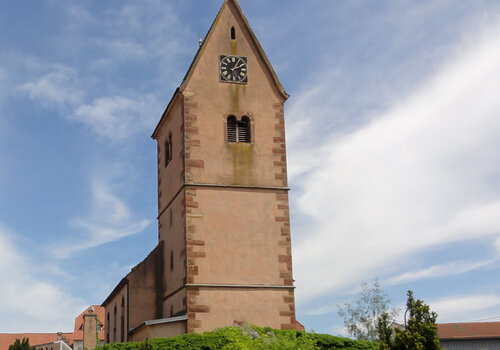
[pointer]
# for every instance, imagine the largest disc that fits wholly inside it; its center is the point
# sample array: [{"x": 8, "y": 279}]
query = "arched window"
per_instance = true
[
  {"x": 122, "y": 321},
  {"x": 238, "y": 130},
  {"x": 107, "y": 328},
  {"x": 233, "y": 33},
  {"x": 244, "y": 130},
  {"x": 114, "y": 326}
]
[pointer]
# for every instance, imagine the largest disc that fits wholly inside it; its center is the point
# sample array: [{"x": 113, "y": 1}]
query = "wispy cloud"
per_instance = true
[
  {"x": 130, "y": 32},
  {"x": 32, "y": 303},
  {"x": 87, "y": 93},
  {"x": 466, "y": 308},
  {"x": 58, "y": 87},
  {"x": 443, "y": 270},
  {"x": 119, "y": 117},
  {"x": 109, "y": 118},
  {"x": 405, "y": 181},
  {"x": 109, "y": 220}
]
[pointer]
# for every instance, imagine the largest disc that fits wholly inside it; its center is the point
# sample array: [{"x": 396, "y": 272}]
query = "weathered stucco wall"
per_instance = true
[
  {"x": 242, "y": 240},
  {"x": 225, "y": 306},
  {"x": 116, "y": 327},
  {"x": 146, "y": 288},
  {"x": 162, "y": 330},
  {"x": 170, "y": 176},
  {"x": 172, "y": 232}
]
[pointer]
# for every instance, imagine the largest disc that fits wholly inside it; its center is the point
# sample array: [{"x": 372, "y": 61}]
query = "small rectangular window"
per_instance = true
[{"x": 168, "y": 149}]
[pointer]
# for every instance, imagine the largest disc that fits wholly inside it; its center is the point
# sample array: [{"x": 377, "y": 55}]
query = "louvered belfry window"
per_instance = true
[
  {"x": 238, "y": 130},
  {"x": 231, "y": 128},
  {"x": 244, "y": 129}
]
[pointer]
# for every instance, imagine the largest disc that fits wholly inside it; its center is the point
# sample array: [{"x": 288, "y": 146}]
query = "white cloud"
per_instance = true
[
  {"x": 111, "y": 118},
  {"x": 322, "y": 310},
  {"x": 422, "y": 174},
  {"x": 31, "y": 303},
  {"x": 131, "y": 31},
  {"x": 59, "y": 87},
  {"x": 467, "y": 308},
  {"x": 119, "y": 117},
  {"x": 443, "y": 270},
  {"x": 109, "y": 220}
]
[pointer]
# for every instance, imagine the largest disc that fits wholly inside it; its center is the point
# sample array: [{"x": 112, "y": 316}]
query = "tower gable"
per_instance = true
[{"x": 231, "y": 15}]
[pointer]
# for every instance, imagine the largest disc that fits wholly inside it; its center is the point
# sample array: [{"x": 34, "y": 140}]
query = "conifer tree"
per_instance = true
[
  {"x": 420, "y": 332},
  {"x": 21, "y": 345}
]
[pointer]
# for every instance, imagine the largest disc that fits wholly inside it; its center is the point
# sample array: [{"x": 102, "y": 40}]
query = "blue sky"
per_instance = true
[{"x": 393, "y": 140}]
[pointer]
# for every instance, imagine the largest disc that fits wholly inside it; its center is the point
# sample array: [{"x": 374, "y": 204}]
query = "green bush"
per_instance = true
[
  {"x": 246, "y": 337},
  {"x": 21, "y": 345}
]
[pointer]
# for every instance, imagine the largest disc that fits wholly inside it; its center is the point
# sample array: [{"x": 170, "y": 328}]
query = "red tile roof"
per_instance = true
[
  {"x": 7, "y": 339},
  {"x": 78, "y": 333},
  {"x": 474, "y": 330}
]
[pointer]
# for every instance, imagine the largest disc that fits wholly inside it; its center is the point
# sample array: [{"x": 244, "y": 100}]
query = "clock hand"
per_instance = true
[{"x": 236, "y": 65}]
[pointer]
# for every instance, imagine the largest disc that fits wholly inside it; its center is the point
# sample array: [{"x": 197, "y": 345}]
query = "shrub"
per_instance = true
[{"x": 246, "y": 337}]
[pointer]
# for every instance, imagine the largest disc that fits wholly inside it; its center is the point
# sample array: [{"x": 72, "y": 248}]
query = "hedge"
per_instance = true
[{"x": 246, "y": 337}]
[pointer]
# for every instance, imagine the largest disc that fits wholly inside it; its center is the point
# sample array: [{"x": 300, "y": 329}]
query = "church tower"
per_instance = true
[
  {"x": 224, "y": 253},
  {"x": 222, "y": 186}
]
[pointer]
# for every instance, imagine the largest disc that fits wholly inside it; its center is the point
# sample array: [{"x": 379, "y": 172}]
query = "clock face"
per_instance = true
[{"x": 233, "y": 69}]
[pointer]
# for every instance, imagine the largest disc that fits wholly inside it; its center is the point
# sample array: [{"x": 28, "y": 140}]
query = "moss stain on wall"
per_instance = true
[{"x": 242, "y": 154}]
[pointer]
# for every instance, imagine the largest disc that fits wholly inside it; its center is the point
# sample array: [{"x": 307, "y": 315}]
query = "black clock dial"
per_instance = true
[{"x": 233, "y": 69}]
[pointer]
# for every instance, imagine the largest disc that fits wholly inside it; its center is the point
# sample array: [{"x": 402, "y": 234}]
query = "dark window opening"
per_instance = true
[
  {"x": 122, "y": 321},
  {"x": 171, "y": 310},
  {"x": 114, "y": 326},
  {"x": 107, "y": 328},
  {"x": 244, "y": 130},
  {"x": 233, "y": 33},
  {"x": 171, "y": 216},
  {"x": 238, "y": 131},
  {"x": 167, "y": 152},
  {"x": 231, "y": 128},
  {"x": 171, "y": 260},
  {"x": 168, "y": 149}
]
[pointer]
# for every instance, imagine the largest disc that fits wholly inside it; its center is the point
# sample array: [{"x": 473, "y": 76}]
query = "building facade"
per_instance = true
[
  {"x": 470, "y": 336},
  {"x": 224, "y": 251}
]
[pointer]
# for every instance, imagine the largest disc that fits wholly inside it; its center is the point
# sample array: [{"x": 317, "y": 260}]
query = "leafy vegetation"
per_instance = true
[
  {"x": 21, "y": 345},
  {"x": 420, "y": 332},
  {"x": 360, "y": 317},
  {"x": 246, "y": 337}
]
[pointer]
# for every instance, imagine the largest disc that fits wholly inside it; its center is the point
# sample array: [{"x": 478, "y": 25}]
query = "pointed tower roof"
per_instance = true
[{"x": 253, "y": 38}]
